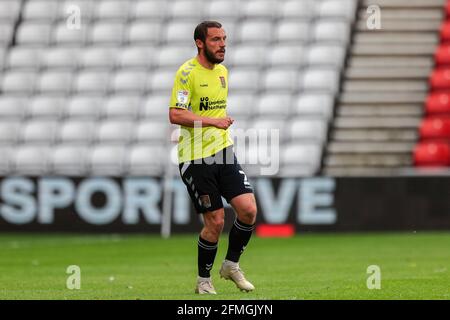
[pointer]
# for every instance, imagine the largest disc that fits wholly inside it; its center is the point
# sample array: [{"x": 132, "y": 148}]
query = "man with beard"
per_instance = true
[{"x": 208, "y": 166}]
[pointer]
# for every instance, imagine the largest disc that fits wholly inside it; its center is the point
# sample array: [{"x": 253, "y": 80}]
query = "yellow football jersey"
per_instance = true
[{"x": 204, "y": 92}]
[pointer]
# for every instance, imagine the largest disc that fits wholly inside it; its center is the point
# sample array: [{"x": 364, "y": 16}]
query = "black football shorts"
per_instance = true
[{"x": 208, "y": 179}]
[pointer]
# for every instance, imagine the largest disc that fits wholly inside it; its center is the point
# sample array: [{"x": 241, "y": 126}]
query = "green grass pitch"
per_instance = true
[{"x": 308, "y": 266}]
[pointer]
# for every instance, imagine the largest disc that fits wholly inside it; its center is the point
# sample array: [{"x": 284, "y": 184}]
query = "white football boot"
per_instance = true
[
  {"x": 231, "y": 271},
  {"x": 204, "y": 286}
]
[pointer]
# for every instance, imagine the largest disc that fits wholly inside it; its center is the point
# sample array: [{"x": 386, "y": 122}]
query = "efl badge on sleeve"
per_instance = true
[
  {"x": 182, "y": 96},
  {"x": 222, "y": 80}
]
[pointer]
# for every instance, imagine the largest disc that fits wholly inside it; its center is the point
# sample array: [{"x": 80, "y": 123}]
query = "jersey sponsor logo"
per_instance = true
[
  {"x": 205, "y": 201},
  {"x": 222, "y": 81},
  {"x": 182, "y": 96},
  {"x": 204, "y": 103},
  {"x": 204, "y": 85}
]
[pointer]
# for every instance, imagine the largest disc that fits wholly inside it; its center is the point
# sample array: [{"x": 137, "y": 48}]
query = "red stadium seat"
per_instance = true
[
  {"x": 440, "y": 79},
  {"x": 445, "y": 32},
  {"x": 442, "y": 55},
  {"x": 438, "y": 103},
  {"x": 436, "y": 129},
  {"x": 447, "y": 9},
  {"x": 432, "y": 154}
]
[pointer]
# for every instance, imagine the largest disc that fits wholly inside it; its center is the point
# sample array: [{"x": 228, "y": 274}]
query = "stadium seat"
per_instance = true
[
  {"x": 442, "y": 55},
  {"x": 325, "y": 55},
  {"x": 60, "y": 58},
  {"x": 91, "y": 81},
  {"x": 115, "y": 131},
  {"x": 65, "y": 36},
  {"x": 140, "y": 57},
  {"x": 107, "y": 33},
  {"x": 308, "y": 129},
  {"x": 84, "y": 107},
  {"x": 438, "y": 103},
  {"x": 39, "y": 131},
  {"x": 220, "y": 9},
  {"x": 54, "y": 82},
  {"x": 265, "y": 125},
  {"x": 44, "y": 10},
  {"x": 244, "y": 79},
  {"x": 6, "y": 160},
  {"x": 9, "y": 133},
  {"x": 69, "y": 8},
  {"x": 161, "y": 81},
  {"x": 9, "y": 9},
  {"x": 18, "y": 82},
  {"x": 125, "y": 107},
  {"x": 131, "y": 81},
  {"x": 282, "y": 80},
  {"x": 180, "y": 32},
  {"x": 6, "y": 33},
  {"x": 240, "y": 105},
  {"x": 156, "y": 106},
  {"x": 145, "y": 160},
  {"x": 69, "y": 160},
  {"x": 108, "y": 160},
  {"x": 174, "y": 56},
  {"x": 155, "y": 9},
  {"x": 254, "y": 31},
  {"x": 286, "y": 55},
  {"x": 292, "y": 31},
  {"x": 433, "y": 154},
  {"x": 331, "y": 31},
  {"x": 259, "y": 9},
  {"x": 24, "y": 58},
  {"x": 336, "y": 9},
  {"x": 12, "y": 107},
  {"x": 112, "y": 9},
  {"x": 98, "y": 57},
  {"x": 320, "y": 79},
  {"x": 440, "y": 79},
  {"x": 77, "y": 131},
  {"x": 296, "y": 9},
  {"x": 314, "y": 104},
  {"x": 151, "y": 131},
  {"x": 144, "y": 32},
  {"x": 186, "y": 9},
  {"x": 33, "y": 33},
  {"x": 435, "y": 129},
  {"x": 247, "y": 56},
  {"x": 300, "y": 159},
  {"x": 31, "y": 159},
  {"x": 270, "y": 104},
  {"x": 50, "y": 107}
]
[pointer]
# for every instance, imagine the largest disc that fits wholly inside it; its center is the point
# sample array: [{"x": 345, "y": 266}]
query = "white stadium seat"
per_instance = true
[
  {"x": 136, "y": 57},
  {"x": 92, "y": 81},
  {"x": 259, "y": 8},
  {"x": 62, "y": 35},
  {"x": 6, "y": 33},
  {"x": 240, "y": 105},
  {"x": 69, "y": 160},
  {"x": 259, "y": 31},
  {"x": 24, "y": 58},
  {"x": 145, "y": 160},
  {"x": 326, "y": 55},
  {"x": 219, "y": 9},
  {"x": 286, "y": 55},
  {"x": 315, "y": 104},
  {"x": 129, "y": 81},
  {"x": 84, "y": 107},
  {"x": 144, "y": 32},
  {"x": 123, "y": 106},
  {"x": 247, "y": 55},
  {"x": 155, "y": 9},
  {"x": 31, "y": 159},
  {"x": 161, "y": 81},
  {"x": 280, "y": 80},
  {"x": 6, "y": 160},
  {"x": 269, "y": 105},
  {"x": 320, "y": 80},
  {"x": 308, "y": 129},
  {"x": 152, "y": 132},
  {"x": 180, "y": 32},
  {"x": 112, "y": 9},
  {"x": 77, "y": 131},
  {"x": 174, "y": 56},
  {"x": 98, "y": 57},
  {"x": 300, "y": 159},
  {"x": 107, "y": 33},
  {"x": 30, "y": 33},
  {"x": 12, "y": 107},
  {"x": 331, "y": 31},
  {"x": 244, "y": 79},
  {"x": 292, "y": 31},
  {"x": 39, "y": 131},
  {"x": 70, "y": 8},
  {"x": 54, "y": 82},
  {"x": 9, "y": 9},
  {"x": 9, "y": 132},
  {"x": 18, "y": 81},
  {"x": 46, "y": 10},
  {"x": 186, "y": 9},
  {"x": 296, "y": 9},
  {"x": 50, "y": 107},
  {"x": 60, "y": 57},
  {"x": 115, "y": 131},
  {"x": 337, "y": 9},
  {"x": 156, "y": 106},
  {"x": 107, "y": 160},
  {"x": 264, "y": 125}
]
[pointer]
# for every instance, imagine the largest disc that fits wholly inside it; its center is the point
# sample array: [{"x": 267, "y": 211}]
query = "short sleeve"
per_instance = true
[{"x": 181, "y": 92}]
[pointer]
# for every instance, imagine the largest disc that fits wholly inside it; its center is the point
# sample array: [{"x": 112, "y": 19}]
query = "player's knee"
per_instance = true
[{"x": 248, "y": 214}]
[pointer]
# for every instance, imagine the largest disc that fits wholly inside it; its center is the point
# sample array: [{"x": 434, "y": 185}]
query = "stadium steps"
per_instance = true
[
  {"x": 385, "y": 83},
  {"x": 363, "y": 171}
]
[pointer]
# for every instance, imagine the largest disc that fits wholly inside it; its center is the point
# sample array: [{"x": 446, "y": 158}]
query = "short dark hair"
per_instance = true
[{"x": 201, "y": 31}]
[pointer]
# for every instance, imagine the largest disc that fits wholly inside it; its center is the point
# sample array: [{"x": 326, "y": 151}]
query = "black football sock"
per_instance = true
[
  {"x": 239, "y": 237},
  {"x": 206, "y": 255}
]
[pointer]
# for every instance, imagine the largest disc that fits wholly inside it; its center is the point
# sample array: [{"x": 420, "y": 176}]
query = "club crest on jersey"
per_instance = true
[
  {"x": 182, "y": 96},
  {"x": 205, "y": 201},
  {"x": 222, "y": 80}
]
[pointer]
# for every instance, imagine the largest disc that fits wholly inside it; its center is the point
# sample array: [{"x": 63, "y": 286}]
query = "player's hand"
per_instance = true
[{"x": 223, "y": 123}]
